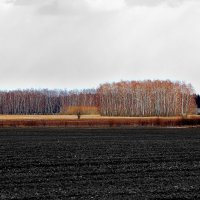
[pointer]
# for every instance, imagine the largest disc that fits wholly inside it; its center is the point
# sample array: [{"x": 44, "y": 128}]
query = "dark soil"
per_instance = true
[{"x": 140, "y": 163}]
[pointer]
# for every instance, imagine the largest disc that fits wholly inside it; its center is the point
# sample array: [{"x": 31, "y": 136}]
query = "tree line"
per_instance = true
[
  {"x": 43, "y": 101},
  {"x": 146, "y": 98},
  {"x": 125, "y": 98}
]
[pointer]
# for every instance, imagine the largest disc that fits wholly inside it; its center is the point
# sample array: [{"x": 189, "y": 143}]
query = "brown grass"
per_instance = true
[{"x": 94, "y": 121}]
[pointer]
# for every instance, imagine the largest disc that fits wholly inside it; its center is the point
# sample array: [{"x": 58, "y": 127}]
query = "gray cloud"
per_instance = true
[
  {"x": 52, "y": 7},
  {"x": 29, "y": 2},
  {"x": 63, "y": 7},
  {"x": 106, "y": 42},
  {"x": 50, "y": 4},
  {"x": 79, "y": 7},
  {"x": 156, "y": 2}
]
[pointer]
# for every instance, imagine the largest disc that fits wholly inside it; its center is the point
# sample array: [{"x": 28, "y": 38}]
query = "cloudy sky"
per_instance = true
[{"x": 81, "y": 43}]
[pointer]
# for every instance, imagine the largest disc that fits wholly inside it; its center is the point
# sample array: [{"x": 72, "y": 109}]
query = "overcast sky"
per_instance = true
[{"x": 82, "y": 43}]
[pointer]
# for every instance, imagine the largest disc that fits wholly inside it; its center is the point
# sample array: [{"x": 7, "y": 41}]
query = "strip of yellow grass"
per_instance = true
[
  {"x": 44, "y": 117},
  {"x": 65, "y": 117}
]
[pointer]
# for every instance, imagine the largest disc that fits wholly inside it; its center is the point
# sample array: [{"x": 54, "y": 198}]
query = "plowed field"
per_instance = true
[{"x": 64, "y": 163}]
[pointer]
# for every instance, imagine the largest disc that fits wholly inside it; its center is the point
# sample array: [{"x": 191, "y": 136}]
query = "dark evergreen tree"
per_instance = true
[{"x": 197, "y": 98}]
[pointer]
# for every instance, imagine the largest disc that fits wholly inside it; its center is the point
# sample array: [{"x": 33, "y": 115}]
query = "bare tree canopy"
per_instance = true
[{"x": 125, "y": 98}]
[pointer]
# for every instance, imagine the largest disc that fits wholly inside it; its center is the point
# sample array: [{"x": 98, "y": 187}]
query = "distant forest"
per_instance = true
[{"x": 125, "y": 98}]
